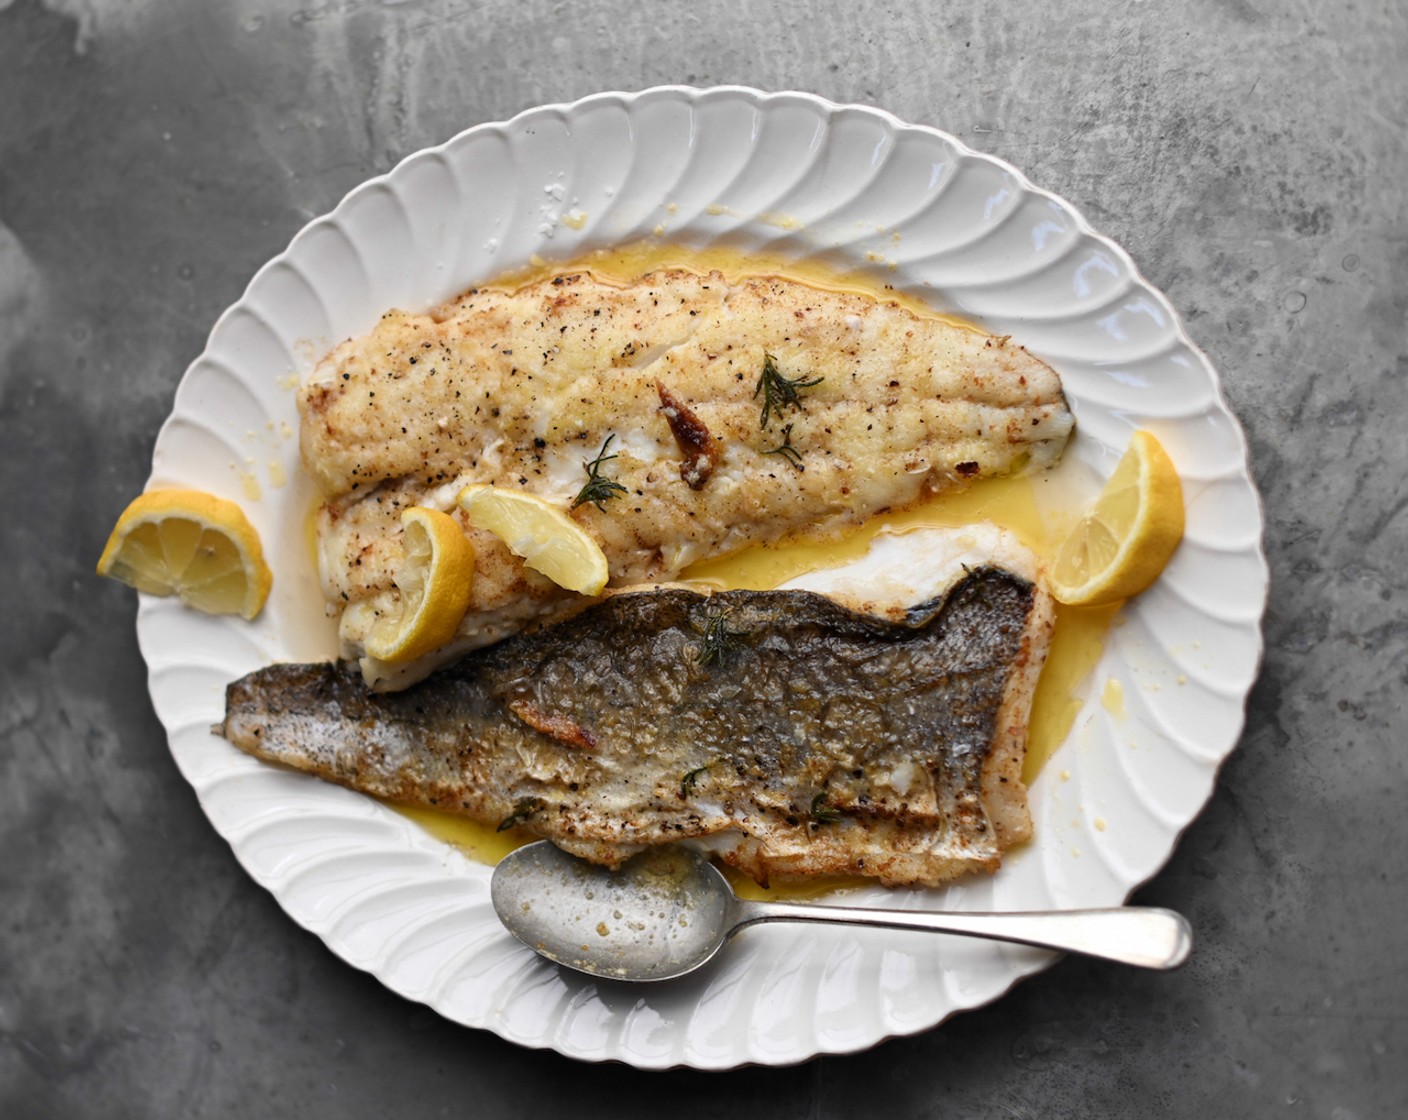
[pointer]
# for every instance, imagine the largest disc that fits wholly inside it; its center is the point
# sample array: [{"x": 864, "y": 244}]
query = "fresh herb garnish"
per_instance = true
[
  {"x": 821, "y": 812},
  {"x": 787, "y": 451},
  {"x": 779, "y": 392},
  {"x": 598, "y": 489},
  {"x": 719, "y": 640},
  {"x": 687, "y": 782},
  {"x": 521, "y": 812}
]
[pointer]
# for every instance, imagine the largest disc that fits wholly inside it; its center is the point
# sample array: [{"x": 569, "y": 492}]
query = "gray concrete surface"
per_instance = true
[{"x": 1250, "y": 154}]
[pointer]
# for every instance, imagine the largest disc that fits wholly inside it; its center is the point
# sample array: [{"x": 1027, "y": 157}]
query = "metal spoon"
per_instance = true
[{"x": 668, "y": 911}]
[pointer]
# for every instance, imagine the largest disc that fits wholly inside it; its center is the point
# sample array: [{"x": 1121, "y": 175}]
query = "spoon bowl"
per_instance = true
[{"x": 668, "y": 912}]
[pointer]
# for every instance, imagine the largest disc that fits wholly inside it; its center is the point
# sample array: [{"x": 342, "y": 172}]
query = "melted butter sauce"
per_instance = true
[
  {"x": 1022, "y": 505},
  {"x": 479, "y": 842}
]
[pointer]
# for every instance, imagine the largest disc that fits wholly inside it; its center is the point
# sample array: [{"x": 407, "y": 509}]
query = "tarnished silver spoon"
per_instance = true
[{"x": 668, "y": 911}]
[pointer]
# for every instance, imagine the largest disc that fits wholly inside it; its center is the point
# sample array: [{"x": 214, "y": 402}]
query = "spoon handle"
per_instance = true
[{"x": 1146, "y": 936}]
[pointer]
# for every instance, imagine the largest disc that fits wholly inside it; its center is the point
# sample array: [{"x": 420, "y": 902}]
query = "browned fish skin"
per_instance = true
[{"x": 817, "y": 741}]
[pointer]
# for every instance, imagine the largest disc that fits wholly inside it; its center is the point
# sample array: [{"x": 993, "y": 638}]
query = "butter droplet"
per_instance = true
[
  {"x": 1112, "y": 698},
  {"x": 780, "y": 220}
]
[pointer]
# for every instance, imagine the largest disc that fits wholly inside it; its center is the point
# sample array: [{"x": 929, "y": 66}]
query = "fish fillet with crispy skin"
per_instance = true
[
  {"x": 873, "y": 409},
  {"x": 873, "y": 726}
]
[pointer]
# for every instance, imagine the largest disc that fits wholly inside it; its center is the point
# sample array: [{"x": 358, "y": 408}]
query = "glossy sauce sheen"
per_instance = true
[{"x": 1011, "y": 503}]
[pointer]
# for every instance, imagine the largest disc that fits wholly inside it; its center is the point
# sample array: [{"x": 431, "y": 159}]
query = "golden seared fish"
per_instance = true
[
  {"x": 875, "y": 729},
  {"x": 737, "y": 413}
]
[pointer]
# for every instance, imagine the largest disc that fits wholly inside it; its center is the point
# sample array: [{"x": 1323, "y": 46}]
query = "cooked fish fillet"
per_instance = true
[
  {"x": 787, "y": 732},
  {"x": 523, "y": 389}
]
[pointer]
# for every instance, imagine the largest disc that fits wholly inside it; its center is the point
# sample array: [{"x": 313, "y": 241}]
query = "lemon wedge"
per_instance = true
[
  {"x": 1127, "y": 537},
  {"x": 546, "y": 538},
  {"x": 190, "y": 544},
  {"x": 434, "y": 579}
]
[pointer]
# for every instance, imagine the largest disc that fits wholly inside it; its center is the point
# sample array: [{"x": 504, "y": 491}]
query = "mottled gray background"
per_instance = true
[{"x": 1250, "y": 155}]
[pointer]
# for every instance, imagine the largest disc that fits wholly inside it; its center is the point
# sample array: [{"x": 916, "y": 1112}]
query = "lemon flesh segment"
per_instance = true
[
  {"x": 193, "y": 545},
  {"x": 434, "y": 581},
  {"x": 1126, "y": 539},
  {"x": 547, "y": 539}
]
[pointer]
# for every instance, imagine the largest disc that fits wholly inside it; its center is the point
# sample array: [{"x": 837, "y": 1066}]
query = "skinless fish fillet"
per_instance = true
[
  {"x": 522, "y": 389},
  {"x": 877, "y": 729}
]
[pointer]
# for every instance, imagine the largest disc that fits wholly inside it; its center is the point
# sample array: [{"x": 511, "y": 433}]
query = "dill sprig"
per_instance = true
[
  {"x": 522, "y": 810},
  {"x": 823, "y": 813},
  {"x": 787, "y": 451},
  {"x": 718, "y": 641},
  {"x": 688, "y": 781},
  {"x": 779, "y": 392},
  {"x": 598, "y": 489}
]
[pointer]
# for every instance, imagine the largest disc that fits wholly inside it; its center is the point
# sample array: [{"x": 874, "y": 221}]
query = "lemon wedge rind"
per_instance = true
[
  {"x": 547, "y": 540},
  {"x": 1125, "y": 540},
  {"x": 433, "y": 581},
  {"x": 191, "y": 544}
]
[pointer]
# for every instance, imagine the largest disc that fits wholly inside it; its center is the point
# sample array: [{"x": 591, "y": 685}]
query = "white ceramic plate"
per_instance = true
[{"x": 786, "y": 173}]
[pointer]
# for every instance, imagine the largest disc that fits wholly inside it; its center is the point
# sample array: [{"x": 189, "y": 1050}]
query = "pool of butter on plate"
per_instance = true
[{"x": 1038, "y": 509}]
